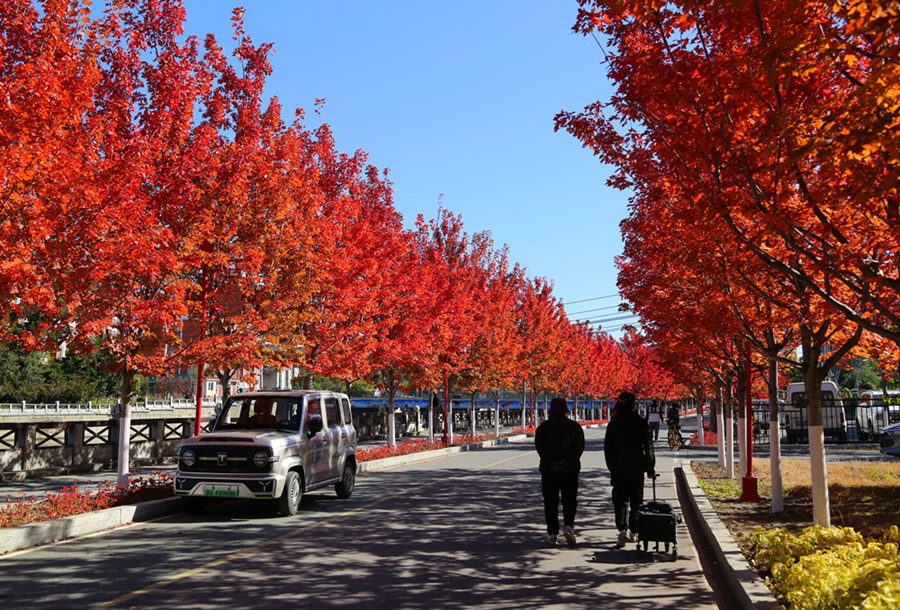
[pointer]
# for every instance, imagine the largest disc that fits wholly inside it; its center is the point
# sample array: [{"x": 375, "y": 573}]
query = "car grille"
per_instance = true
[{"x": 224, "y": 459}]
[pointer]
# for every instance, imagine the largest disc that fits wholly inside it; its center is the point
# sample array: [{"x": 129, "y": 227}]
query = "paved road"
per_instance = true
[{"x": 462, "y": 531}]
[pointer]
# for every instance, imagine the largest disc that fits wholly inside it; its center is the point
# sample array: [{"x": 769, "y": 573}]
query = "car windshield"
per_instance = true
[{"x": 259, "y": 412}]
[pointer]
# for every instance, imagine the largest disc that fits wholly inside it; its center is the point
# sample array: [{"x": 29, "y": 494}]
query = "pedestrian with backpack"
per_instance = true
[{"x": 559, "y": 442}]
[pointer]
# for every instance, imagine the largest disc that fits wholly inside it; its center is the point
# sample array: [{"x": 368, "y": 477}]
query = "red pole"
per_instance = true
[
  {"x": 749, "y": 487},
  {"x": 702, "y": 429}
]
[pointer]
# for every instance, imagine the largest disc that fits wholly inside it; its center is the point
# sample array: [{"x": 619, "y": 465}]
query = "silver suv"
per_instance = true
[{"x": 271, "y": 445}]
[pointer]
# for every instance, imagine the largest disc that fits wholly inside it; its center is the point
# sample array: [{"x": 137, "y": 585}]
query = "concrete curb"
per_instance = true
[
  {"x": 46, "y": 532},
  {"x": 744, "y": 585}
]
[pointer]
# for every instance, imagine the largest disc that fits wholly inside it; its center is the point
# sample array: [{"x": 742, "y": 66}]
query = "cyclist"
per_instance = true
[{"x": 673, "y": 420}]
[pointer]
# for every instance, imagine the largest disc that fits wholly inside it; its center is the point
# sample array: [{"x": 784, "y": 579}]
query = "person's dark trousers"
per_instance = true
[
  {"x": 627, "y": 497},
  {"x": 654, "y": 429},
  {"x": 554, "y": 487}
]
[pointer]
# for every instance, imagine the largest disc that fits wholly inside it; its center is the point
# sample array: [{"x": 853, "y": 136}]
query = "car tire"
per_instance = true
[
  {"x": 289, "y": 502},
  {"x": 344, "y": 488},
  {"x": 193, "y": 504}
]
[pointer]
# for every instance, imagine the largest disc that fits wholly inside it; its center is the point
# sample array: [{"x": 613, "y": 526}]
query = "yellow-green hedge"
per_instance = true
[{"x": 830, "y": 567}]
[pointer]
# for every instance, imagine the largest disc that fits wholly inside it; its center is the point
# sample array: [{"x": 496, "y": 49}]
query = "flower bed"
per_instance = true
[
  {"x": 417, "y": 445},
  {"x": 71, "y": 500},
  {"x": 829, "y": 567},
  {"x": 710, "y": 438},
  {"x": 593, "y": 422}
]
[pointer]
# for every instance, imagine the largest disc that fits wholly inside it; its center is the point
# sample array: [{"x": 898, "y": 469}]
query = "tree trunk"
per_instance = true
[
  {"x": 720, "y": 424},
  {"x": 741, "y": 408},
  {"x": 728, "y": 429},
  {"x": 225, "y": 382},
  {"x": 775, "y": 439},
  {"x": 497, "y": 414},
  {"x": 123, "y": 467},
  {"x": 524, "y": 403},
  {"x": 812, "y": 378},
  {"x": 433, "y": 402},
  {"x": 814, "y": 373},
  {"x": 391, "y": 418},
  {"x": 448, "y": 412}
]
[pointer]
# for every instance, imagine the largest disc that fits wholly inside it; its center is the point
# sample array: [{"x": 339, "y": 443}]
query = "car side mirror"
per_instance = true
[{"x": 314, "y": 426}]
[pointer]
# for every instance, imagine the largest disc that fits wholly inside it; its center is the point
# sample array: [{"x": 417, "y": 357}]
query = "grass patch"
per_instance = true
[{"x": 863, "y": 495}]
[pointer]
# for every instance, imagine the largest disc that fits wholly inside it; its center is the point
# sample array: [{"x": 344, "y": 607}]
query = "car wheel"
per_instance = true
[
  {"x": 193, "y": 504},
  {"x": 289, "y": 502},
  {"x": 345, "y": 487}
]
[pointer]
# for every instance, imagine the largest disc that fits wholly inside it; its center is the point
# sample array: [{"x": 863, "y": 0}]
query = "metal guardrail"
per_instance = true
[{"x": 844, "y": 420}]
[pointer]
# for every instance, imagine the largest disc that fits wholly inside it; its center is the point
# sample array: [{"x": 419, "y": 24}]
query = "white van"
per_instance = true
[
  {"x": 834, "y": 418},
  {"x": 873, "y": 413}
]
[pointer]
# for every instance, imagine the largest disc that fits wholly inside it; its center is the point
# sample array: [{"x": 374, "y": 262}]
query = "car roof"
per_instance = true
[{"x": 276, "y": 393}]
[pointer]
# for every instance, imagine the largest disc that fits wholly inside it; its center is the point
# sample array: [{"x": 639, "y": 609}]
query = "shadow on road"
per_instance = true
[{"x": 427, "y": 538}]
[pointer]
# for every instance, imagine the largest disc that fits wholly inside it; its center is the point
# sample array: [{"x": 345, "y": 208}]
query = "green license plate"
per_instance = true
[{"x": 221, "y": 491}]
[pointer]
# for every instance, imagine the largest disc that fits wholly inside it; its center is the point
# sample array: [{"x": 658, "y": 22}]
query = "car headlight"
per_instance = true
[
  {"x": 188, "y": 457},
  {"x": 260, "y": 458}
]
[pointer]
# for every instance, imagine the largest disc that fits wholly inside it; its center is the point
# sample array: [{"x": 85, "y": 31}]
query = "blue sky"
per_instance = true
[{"x": 457, "y": 99}]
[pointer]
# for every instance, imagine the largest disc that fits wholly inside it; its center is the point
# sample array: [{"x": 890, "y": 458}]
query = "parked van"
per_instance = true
[
  {"x": 874, "y": 412},
  {"x": 760, "y": 408},
  {"x": 834, "y": 417}
]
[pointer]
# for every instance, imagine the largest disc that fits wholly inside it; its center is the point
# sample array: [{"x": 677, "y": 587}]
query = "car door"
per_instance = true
[
  {"x": 334, "y": 427},
  {"x": 348, "y": 437},
  {"x": 317, "y": 467}
]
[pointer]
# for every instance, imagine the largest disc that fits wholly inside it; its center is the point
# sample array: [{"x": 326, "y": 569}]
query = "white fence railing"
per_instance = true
[{"x": 99, "y": 408}]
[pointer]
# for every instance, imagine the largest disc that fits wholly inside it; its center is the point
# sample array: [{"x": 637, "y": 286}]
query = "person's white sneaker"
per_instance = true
[
  {"x": 569, "y": 535},
  {"x": 630, "y": 536},
  {"x": 622, "y": 539},
  {"x": 551, "y": 539}
]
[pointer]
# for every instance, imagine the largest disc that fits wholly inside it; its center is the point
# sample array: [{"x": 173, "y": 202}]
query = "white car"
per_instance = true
[
  {"x": 890, "y": 440},
  {"x": 271, "y": 446}
]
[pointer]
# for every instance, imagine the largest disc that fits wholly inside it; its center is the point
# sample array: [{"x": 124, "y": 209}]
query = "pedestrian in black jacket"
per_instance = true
[
  {"x": 628, "y": 449},
  {"x": 559, "y": 442}
]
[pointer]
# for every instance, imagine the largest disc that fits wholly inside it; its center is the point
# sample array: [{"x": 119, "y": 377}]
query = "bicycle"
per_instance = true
[{"x": 675, "y": 440}]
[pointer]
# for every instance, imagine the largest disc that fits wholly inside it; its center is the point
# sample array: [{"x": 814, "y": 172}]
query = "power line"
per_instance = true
[
  {"x": 575, "y": 313},
  {"x": 615, "y": 328},
  {"x": 614, "y": 319},
  {"x": 619, "y": 326},
  {"x": 596, "y": 321},
  {"x": 609, "y": 296}
]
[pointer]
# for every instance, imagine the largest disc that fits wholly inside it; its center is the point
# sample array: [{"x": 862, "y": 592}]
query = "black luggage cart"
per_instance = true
[{"x": 656, "y": 523}]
